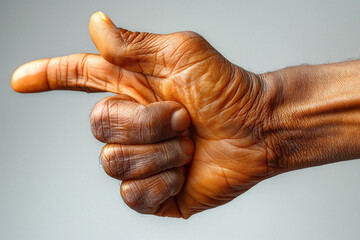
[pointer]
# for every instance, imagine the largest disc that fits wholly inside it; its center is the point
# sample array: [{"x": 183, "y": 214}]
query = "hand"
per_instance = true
[{"x": 184, "y": 131}]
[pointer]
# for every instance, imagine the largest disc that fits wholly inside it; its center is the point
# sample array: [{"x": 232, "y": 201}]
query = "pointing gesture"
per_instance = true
[{"x": 184, "y": 130}]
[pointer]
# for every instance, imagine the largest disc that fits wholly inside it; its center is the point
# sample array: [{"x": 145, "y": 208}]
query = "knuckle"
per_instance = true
[
  {"x": 106, "y": 158},
  {"x": 99, "y": 123},
  {"x": 72, "y": 70},
  {"x": 194, "y": 40},
  {"x": 131, "y": 194},
  {"x": 139, "y": 198},
  {"x": 192, "y": 37},
  {"x": 113, "y": 159},
  {"x": 190, "y": 34},
  {"x": 112, "y": 120}
]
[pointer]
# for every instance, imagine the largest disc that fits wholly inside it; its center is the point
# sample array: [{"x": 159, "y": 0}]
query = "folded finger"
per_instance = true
[
  {"x": 115, "y": 120},
  {"x": 138, "y": 161},
  {"x": 146, "y": 195}
]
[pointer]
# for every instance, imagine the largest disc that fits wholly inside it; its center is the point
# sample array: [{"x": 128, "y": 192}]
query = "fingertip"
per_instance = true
[
  {"x": 100, "y": 17},
  {"x": 30, "y": 77},
  {"x": 187, "y": 145},
  {"x": 180, "y": 120},
  {"x": 105, "y": 18},
  {"x": 16, "y": 78},
  {"x": 99, "y": 26}
]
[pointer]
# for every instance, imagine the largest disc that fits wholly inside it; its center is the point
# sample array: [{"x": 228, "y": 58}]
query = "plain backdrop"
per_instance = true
[{"x": 52, "y": 185}]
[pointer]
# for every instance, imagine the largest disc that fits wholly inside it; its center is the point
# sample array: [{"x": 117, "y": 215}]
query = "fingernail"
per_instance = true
[
  {"x": 187, "y": 145},
  {"x": 180, "y": 120},
  {"x": 102, "y": 15},
  {"x": 105, "y": 18}
]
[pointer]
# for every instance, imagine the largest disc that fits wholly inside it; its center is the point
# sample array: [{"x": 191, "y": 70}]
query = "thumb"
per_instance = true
[{"x": 134, "y": 51}]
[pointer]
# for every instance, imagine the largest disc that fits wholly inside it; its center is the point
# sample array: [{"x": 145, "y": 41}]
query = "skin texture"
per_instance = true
[
  {"x": 187, "y": 130},
  {"x": 171, "y": 164},
  {"x": 316, "y": 115}
]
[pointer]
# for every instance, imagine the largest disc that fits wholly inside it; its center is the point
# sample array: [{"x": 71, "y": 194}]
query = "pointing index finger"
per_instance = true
[{"x": 83, "y": 72}]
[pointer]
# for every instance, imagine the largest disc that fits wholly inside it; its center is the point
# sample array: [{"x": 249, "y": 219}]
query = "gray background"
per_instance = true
[{"x": 52, "y": 185}]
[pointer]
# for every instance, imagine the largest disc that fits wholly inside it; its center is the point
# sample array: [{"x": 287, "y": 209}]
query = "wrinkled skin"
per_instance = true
[{"x": 155, "y": 75}]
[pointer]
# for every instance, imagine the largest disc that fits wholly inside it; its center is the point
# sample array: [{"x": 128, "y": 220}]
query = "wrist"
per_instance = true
[{"x": 313, "y": 116}]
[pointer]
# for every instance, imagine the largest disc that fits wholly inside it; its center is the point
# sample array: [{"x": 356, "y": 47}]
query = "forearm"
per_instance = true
[{"x": 313, "y": 115}]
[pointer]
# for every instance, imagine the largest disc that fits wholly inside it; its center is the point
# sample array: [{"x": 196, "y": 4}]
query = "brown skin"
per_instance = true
[
  {"x": 233, "y": 128},
  {"x": 316, "y": 115}
]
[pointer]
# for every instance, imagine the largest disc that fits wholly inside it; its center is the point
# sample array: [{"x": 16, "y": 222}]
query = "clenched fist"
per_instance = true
[{"x": 185, "y": 130}]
